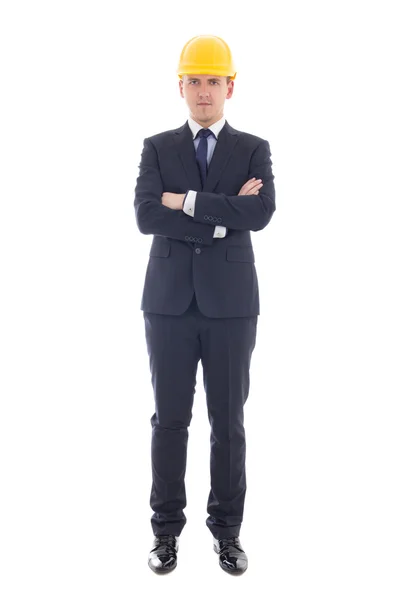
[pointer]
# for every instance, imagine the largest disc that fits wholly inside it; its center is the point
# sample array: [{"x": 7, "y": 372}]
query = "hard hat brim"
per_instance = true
[{"x": 196, "y": 70}]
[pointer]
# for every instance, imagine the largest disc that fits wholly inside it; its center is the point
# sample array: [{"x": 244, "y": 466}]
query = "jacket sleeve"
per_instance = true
[
  {"x": 251, "y": 212},
  {"x": 189, "y": 205},
  {"x": 152, "y": 217}
]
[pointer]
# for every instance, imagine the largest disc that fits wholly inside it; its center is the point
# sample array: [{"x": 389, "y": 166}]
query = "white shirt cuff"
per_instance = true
[
  {"x": 219, "y": 231},
  {"x": 190, "y": 203}
]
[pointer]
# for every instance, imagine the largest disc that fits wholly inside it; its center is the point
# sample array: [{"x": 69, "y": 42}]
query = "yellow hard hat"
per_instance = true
[{"x": 206, "y": 55}]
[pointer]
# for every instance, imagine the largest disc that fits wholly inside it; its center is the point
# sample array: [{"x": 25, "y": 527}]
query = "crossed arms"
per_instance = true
[{"x": 242, "y": 212}]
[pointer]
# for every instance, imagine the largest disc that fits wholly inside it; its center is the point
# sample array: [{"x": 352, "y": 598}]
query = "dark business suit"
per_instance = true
[{"x": 201, "y": 302}]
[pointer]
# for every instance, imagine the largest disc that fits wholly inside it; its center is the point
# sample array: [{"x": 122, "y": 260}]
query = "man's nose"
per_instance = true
[{"x": 203, "y": 87}]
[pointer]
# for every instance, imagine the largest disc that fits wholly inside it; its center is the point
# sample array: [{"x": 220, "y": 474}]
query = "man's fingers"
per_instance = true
[{"x": 250, "y": 189}]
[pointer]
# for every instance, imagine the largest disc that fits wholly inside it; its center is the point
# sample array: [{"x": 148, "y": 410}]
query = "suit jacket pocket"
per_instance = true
[
  {"x": 160, "y": 247},
  {"x": 240, "y": 253}
]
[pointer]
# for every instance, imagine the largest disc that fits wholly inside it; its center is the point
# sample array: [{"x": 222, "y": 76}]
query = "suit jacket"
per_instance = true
[{"x": 185, "y": 257}]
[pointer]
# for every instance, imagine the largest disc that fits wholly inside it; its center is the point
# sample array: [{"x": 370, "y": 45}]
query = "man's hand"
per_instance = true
[
  {"x": 251, "y": 187},
  {"x": 174, "y": 201}
]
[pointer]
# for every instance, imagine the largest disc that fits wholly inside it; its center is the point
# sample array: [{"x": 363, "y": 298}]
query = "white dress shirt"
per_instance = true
[{"x": 190, "y": 200}]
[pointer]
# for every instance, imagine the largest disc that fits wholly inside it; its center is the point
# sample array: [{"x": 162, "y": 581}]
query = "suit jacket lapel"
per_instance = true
[{"x": 227, "y": 139}]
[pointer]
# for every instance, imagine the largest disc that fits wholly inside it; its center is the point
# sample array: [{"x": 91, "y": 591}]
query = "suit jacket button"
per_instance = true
[{"x": 198, "y": 250}]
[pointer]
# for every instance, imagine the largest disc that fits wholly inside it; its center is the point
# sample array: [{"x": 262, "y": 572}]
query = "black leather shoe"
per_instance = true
[
  {"x": 162, "y": 557},
  {"x": 232, "y": 557}
]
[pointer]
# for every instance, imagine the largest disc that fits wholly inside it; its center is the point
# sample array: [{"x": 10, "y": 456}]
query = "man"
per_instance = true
[{"x": 201, "y": 189}]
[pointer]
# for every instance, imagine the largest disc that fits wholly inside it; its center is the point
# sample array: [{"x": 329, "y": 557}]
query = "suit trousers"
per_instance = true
[{"x": 175, "y": 345}]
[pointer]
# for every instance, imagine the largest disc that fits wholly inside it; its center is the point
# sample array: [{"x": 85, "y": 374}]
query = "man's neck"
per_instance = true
[{"x": 207, "y": 123}]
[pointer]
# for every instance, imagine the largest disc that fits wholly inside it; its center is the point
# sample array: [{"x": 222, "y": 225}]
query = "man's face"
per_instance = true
[{"x": 205, "y": 96}]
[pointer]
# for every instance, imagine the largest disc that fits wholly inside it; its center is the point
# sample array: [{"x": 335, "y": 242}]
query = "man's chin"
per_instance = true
[{"x": 203, "y": 115}]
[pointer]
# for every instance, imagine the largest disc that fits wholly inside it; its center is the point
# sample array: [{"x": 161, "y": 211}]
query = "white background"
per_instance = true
[{"x": 83, "y": 83}]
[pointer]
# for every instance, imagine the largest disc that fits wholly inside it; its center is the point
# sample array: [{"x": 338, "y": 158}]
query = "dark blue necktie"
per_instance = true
[{"x": 201, "y": 153}]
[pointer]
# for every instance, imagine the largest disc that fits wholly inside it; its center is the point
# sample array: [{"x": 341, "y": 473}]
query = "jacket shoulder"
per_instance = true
[
  {"x": 159, "y": 137},
  {"x": 251, "y": 138}
]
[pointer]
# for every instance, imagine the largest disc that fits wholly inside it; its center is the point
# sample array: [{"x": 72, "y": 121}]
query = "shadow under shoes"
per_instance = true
[
  {"x": 162, "y": 557},
  {"x": 232, "y": 557}
]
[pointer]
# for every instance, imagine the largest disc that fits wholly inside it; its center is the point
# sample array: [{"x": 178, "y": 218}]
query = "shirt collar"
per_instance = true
[{"x": 215, "y": 127}]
